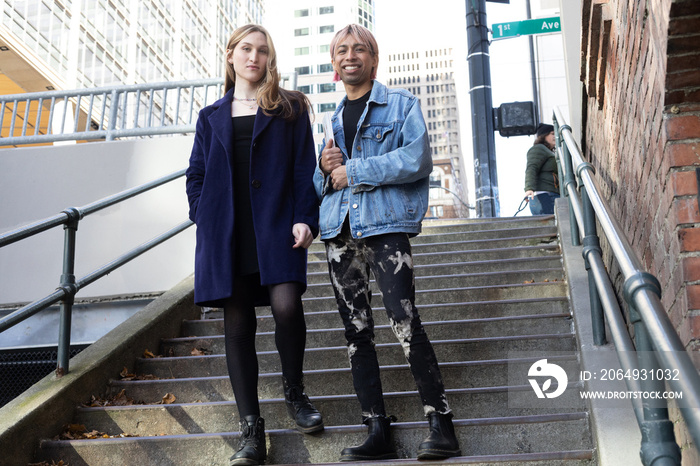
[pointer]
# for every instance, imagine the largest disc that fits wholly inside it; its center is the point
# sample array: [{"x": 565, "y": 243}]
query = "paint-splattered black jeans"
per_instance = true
[{"x": 389, "y": 258}]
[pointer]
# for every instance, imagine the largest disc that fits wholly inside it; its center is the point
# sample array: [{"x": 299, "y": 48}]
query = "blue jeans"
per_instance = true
[
  {"x": 543, "y": 204},
  {"x": 389, "y": 258}
]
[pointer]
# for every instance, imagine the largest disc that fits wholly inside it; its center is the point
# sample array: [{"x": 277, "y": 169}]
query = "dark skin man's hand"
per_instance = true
[{"x": 331, "y": 158}]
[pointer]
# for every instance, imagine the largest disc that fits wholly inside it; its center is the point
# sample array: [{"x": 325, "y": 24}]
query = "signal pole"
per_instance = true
[{"x": 484, "y": 144}]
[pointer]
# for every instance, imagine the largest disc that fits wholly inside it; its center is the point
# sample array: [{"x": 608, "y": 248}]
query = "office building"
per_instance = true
[
  {"x": 302, "y": 31},
  {"x": 428, "y": 74},
  {"x": 51, "y": 44}
]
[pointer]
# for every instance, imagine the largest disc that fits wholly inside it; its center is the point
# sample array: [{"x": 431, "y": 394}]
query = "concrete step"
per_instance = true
[
  {"x": 388, "y": 354},
  {"x": 337, "y": 410},
  {"x": 462, "y": 280},
  {"x": 490, "y": 436},
  {"x": 496, "y": 223},
  {"x": 446, "y": 311},
  {"x": 395, "y": 378},
  {"x": 454, "y": 237},
  {"x": 490, "y": 292},
  {"x": 446, "y": 329},
  {"x": 467, "y": 245},
  {"x": 425, "y": 258},
  {"x": 549, "y": 458},
  {"x": 459, "y": 294},
  {"x": 473, "y": 267}
]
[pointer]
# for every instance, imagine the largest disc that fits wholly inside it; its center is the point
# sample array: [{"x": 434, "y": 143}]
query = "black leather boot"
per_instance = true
[
  {"x": 300, "y": 409},
  {"x": 441, "y": 442},
  {"x": 252, "y": 449},
  {"x": 377, "y": 445}
]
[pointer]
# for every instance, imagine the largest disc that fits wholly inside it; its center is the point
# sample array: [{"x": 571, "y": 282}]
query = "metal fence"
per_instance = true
[
  {"x": 69, "y": 286},
  {"x": 105, "y": 113},
  {"x": 656, "y": 344},
  {"x": 108, "y": 113}
]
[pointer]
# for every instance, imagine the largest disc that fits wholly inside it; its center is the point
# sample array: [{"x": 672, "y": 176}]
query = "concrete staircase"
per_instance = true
[{"x": 489, "y": 292}]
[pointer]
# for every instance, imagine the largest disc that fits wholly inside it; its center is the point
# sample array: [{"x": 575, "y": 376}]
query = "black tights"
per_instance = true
[{"x": 240, "y": 324}]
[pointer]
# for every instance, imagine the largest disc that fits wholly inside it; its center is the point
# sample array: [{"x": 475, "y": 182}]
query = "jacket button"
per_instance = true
[
  {"x": 256, "y": 184},
  {"x": 359, "y": 148},
  {"x": 359, "y": 233},
  {"x": 354, "y": 206}
]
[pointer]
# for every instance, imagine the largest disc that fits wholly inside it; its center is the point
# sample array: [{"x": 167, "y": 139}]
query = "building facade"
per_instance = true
[
  {"x": 429, "y": 75},
  {"x": 71, "y": 44},
  {"x": 640, "y": 94},
  {"x": 302, "y": 31}
]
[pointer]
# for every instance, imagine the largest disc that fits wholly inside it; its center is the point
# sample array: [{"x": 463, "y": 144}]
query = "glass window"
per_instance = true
[
  {"x": 301, "y": 13},
  {"x": 436, "y": 211},
  {"x": 326, "y": 87},
  {"x": 304, "y": 89},
  {"x": 325, "y": 10},
  {"x": 326, "y": 29},
  {"x": 302, "y": 51},
  {"x": 325, "y": 68},
  {"x": 301, "y": 32},
  {"x": 303, "y": 70},
  {"x": 325, "y": 48},
  {"x": 326, "y": 107}
]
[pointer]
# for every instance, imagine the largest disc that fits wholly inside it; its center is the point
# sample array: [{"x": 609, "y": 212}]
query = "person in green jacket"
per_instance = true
[{"x": 541, "y": 174}]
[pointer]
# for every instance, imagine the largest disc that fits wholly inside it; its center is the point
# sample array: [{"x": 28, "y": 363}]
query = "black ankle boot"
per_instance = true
[
  {"x": 377, "y": 445},
  {"x": 252, "y": 449},
  {"x": 441, "y": 442},
  {"x": 300, "y": 409}
]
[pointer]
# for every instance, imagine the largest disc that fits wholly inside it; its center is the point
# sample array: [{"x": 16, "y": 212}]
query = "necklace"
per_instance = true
[{"x": 250, "y": 106}]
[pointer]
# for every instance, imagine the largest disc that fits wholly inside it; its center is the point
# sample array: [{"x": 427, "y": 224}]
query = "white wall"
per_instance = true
[{"x": 39, "y": 182}]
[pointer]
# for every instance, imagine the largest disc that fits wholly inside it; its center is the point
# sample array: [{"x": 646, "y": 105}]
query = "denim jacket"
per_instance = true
[{"x": 388, "y": 174}]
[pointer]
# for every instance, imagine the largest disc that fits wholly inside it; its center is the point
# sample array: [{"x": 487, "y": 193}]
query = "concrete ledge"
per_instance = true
[
  {"x": 48, "y": 405},
  {"x": 616, "y": 432}
]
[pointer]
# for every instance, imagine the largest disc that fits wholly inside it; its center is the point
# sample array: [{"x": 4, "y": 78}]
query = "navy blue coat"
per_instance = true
[{"x": 282, "y": 164}]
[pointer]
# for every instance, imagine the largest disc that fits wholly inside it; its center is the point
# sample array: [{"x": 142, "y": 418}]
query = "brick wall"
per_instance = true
[{"x": 639, "y": 66}]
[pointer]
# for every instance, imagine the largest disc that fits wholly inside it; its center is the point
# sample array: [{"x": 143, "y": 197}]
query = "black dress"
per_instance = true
[{"x": 246, "y": 254}]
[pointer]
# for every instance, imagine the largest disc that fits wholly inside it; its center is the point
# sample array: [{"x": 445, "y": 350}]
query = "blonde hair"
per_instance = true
[
  {"x": 363, "y": 35},
  {"x": 271, "y": 98}
]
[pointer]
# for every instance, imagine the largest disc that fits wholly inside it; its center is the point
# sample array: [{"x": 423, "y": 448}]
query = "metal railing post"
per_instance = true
[
  {"x": 69, "y": 288},
  {"x": 591, "y": 242},
  {"x": 659, "y": 445},
  {"x": 113, "y": 113},
  {"x": 569, "y": 179}
]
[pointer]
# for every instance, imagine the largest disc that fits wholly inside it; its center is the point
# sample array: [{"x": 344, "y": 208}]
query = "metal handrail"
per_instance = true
[
  {"x": 654, "y": 333},
  {"x": 134, "y": 110},
  {"x": 108, "y": 113},
  {"x": 69, "y": 286}
]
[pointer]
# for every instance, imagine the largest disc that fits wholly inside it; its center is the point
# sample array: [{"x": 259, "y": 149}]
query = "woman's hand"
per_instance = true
[
  {"x": 302, "y": 235},
  {"x": 529, "y": 194}
]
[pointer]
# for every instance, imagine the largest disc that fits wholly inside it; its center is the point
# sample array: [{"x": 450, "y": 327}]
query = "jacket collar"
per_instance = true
[
  {"x": 222, "y": 126},
  {"x": 378, "y": 95}
]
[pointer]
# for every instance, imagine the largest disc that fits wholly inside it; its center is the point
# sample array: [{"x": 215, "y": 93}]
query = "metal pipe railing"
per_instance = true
[
  {"x": 69, "y": 286},
  {"x": 106, "y": 112},
  {"x": 657, "y": 343},
  {"x": 135, "y": 110}
]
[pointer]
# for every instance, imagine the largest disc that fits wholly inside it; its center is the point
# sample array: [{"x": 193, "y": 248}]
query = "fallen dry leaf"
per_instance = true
[
  {"x": 147, "y": 354},
  {"x": 200, "y": 352},
  {"x": 120, "y": 399},
  {"x": 126, "y": 376},
  {"x": 529, "y": 281},
  {"x": 79, "y": 432},
  {"x": 167, "y": 399}
]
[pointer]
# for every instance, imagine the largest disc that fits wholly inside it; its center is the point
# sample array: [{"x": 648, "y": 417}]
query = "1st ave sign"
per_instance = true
[{"x": 527, "y": 27}]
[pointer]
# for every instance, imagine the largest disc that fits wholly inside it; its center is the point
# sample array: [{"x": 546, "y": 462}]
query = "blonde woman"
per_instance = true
[{"x": 251, "y": 194}]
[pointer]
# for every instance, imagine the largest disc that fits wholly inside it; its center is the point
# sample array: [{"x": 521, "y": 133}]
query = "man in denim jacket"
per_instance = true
[{"x": 373, "y": 184}]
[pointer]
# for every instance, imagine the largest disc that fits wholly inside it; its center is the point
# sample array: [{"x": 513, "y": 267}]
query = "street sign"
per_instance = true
[{"x": 527, "y": 27}]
